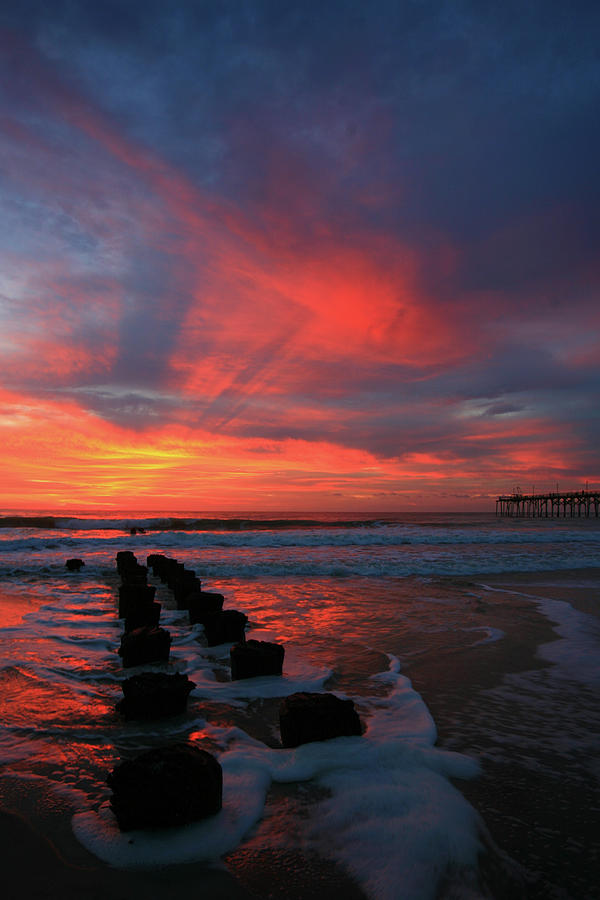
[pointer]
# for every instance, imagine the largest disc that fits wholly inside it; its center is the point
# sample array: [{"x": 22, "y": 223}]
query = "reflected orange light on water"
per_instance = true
[{"x": 30, "y": 702}]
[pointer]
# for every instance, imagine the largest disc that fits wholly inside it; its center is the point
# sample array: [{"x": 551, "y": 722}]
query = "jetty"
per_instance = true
[{"x": 557, "y": 504}]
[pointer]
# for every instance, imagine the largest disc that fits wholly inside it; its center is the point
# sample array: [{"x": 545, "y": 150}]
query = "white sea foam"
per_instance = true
[
  {"x": 575, "y": 654},
  {"x": 296, "y": 677},
  {"x": 491, "y": 634},
  {"x": 199, "y": 664},
  {"x": 244, "y": 793},
  {"x": 393, "y": 817}
]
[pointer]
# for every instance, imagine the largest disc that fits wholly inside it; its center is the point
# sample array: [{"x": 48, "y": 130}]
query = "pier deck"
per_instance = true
[{"x": 582, "y": 504}]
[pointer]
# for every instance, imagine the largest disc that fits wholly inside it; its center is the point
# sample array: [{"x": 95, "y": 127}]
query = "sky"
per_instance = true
[{"x": 284, "y": 254}]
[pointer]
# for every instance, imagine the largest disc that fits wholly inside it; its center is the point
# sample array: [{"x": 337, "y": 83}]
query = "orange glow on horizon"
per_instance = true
[{"x": 59, "y": 456}]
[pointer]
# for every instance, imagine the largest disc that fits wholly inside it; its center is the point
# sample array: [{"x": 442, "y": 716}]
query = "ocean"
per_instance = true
[{"x": 468, "y": 643}]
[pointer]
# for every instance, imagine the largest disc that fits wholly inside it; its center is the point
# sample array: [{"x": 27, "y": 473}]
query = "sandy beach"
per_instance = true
[
  {"x": 534, "y": 814},
  {"x": 38, "y": 870},
  {"x": 541, "y": 810}
]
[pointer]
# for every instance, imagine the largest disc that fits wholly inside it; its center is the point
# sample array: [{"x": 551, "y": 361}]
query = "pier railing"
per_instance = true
[{"x": 556, "y": 504}]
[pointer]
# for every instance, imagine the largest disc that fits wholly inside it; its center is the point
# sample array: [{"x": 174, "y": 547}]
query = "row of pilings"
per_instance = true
[
  {"x": 557, "y": 504},
  {"x": 180, "y": 783}
]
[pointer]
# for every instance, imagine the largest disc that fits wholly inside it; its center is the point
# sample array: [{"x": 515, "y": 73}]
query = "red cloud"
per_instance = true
[{"x": 260, "y": 305}]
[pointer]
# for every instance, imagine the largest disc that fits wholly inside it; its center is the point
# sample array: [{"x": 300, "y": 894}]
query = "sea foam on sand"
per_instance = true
[
  {"x": 391, "y": 818},
  {"x": 575, "y": 654}
]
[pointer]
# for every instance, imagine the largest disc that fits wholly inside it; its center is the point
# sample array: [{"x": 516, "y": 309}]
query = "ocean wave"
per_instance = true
[
  {"x": 366, "y": 567},
  {"x": 390, "y": 536},
  {"x": 191, "y": 523},
  {"x": 27, "y": 522},
  {"x": 306, "y": 547}
]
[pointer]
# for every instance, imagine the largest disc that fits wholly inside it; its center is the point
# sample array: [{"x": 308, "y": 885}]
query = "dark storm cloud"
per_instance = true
[
  {"x": 460, "y": 118},
  {"x": 488, "y": 106}
]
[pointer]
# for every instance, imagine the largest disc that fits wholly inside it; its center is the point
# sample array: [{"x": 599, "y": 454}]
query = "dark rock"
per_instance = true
[
  {"x": 306, "y": 717},
  {"x": 204, "y": 604},
  {"x": 174, "y": 571},
  {"x": 142, "y": 614},
  {"x": 125, "y": 559},
  {"x": 74, "y": 565},
  {"x": 225, "y": 627},
  {"x": 160, "y": 565},
  {"x": 167, "y": 786},
  {"x": 154, "y": 559},
  {"x": 132, "y": 596},
  {"x": 166, "y": 567},
  {"x": 252, "y": 658},
  {"x": 140, "y": 592},
  {"x": 145, "y": 645},
  {"x": 185, "y": 584},
  {"x": 153, "y": 695},
  {"x": 134, "y": 574}
]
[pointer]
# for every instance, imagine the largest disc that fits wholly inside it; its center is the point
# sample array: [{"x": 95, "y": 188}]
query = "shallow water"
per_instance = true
[{"x": 386, "y": 806}]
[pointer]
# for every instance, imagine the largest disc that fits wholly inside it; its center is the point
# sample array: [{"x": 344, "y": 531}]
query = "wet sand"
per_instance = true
[
  {"x": 41, "y": 856},
  {"x": 38, "y": 871},
  {"x": 534, "y": 735},
  {"x": 536, "y": 817}
]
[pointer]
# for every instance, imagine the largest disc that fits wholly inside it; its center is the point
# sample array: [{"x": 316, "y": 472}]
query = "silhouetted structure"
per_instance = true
[{"x": 581, "y": 504}]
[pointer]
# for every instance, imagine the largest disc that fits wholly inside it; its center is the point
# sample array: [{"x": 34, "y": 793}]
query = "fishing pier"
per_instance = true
[{"x": 558, "y": 504}]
